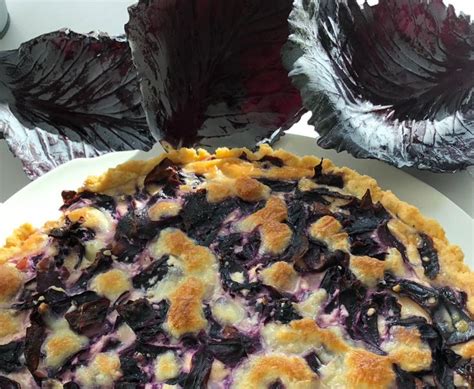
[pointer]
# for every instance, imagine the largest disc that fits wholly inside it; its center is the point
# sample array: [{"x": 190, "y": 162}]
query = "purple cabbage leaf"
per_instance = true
[
  {"x": 211, "y": 70},
  {"x": 65, "y": 95},
  {"x": 393, "y": 81}
]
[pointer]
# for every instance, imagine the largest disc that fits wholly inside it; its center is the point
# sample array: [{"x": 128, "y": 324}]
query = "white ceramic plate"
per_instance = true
[{"x": 40, "y": 200}]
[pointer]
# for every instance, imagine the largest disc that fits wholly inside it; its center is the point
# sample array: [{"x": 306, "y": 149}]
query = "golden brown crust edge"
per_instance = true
[{"x": 126, "y": 177}]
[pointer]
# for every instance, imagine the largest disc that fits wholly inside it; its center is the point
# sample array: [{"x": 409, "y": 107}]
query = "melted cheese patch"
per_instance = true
[
  {"x": 237, "y": 277},
  {"x": 261, "y": 371},
  {"x": 111, "y": 284},
  {"x": 275, "y": 235},
  {"x": 11, "y": 280},
  {"x": 102, "y": 372},
  {"x": 394, "y": 262},
  {"x": 329, "y": 230},
  {"x": 368, "y": 270},
  {"x": 163, "y": 209},
  {"x": 91, "y": 218},
  {"x": 305, "y": 184},
  {"x": 248, "y": 189},
  {"x": 465, "y": 350},
  {"x": 62, "y": 344},
  {"x": 228, "y": 312},
  {"x": 410, "y": 308},
  {"x": 92, "y": 248},
  {"x": 407, "y": 349},
  {"x": 302, "y": 335},
  {"x": 218, "y": 372},
  {"x": 185, "y": 314},
  {"x": 280, "y": 275},
  {"x": 310, "y": 306},
  {"x": 10, "y": 323},
  {"x": 366, "y": 370},
  {"x": 166, "y": 366},
  {"x": 408, "y": 236},
  {"x": 195, "y": 260}
]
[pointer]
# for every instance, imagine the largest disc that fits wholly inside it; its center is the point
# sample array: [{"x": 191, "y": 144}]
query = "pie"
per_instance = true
[{"x": 235, "y": 270}]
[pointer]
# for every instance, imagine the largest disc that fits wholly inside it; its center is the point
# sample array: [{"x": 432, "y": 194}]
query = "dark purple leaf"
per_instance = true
[
  {"x": 149, "y": 276},
  {"x": 231, "y": 351},
  {"x": 71, "y": 385},
  {"x": 275, "y": 161},
  {"x": 429, "y": 256},
  {"x": 65, "y": 95},
  {"x": 202, "y": 219},
  {"x": 88, "y": 319},
  {"x": 211, "y": 70},
  {"x": 313, "y": 361},
  {"x": 10, "y": 354},
  {"x": 201, "y": 365},
  {"x": 319, "y": 258},
  {"x": 448, "y": 312},
  {"x": 46, "y": 279},
  {"x": 277, "y": 385},
  {"x": 151, "y": 350},
  {"x": 166, "y": 172},
  {"x": 87, "y": 198},
  {"x": 278, "y": 309},
  {"x": 279, "y": 185},
  {"x": 131, "y": 373},
  {"x": 327, "y": 179},
  {"x": 392, "y": 81},
  {"x": 144, "y": 318},
  {"x": 7, "y": 383},
  {"x": 35, "y": 335}
]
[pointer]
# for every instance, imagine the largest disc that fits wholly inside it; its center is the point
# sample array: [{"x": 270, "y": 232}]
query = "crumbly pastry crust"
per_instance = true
[{"x": 192, "y": 288}]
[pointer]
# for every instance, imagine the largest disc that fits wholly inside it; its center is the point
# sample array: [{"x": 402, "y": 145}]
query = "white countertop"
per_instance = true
[{"x": 30, "y": 18}]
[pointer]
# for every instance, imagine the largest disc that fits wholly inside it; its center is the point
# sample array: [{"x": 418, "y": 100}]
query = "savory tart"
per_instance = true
[{"x": 235, "y": 270}]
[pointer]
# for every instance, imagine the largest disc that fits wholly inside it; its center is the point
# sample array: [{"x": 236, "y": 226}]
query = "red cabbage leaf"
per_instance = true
[
  {"x": 211, "y": 70},
  {"x": 393, "y": 81},
  {"x": 65, "y": 95}
]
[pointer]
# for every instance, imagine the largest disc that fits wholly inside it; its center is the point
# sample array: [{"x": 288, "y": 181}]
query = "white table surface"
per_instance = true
[{"x": 30, "y": 18}]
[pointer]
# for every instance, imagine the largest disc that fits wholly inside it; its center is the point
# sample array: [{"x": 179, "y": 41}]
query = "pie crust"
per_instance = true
[{"x": 237, "y": 269}]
